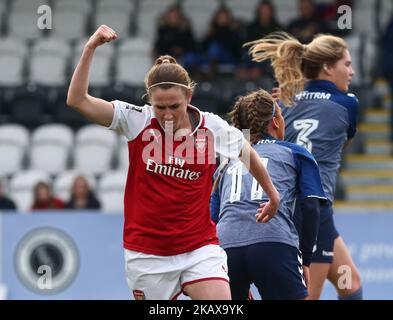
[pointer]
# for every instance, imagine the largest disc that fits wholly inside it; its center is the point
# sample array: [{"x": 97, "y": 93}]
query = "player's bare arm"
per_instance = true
[
  {"x": 256, "y": 168},
  {"x": 95, "y": 109}
]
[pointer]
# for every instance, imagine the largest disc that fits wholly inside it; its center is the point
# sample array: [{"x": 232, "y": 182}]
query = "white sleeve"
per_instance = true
[
  {"x": 229, "y": 141},
  {"x": 129, "y": 120}
]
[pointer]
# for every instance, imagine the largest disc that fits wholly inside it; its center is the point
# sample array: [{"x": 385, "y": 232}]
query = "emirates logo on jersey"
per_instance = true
[{"x": 175, "y": 168}]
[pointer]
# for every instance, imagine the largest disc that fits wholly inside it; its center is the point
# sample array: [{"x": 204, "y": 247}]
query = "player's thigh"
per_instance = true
[
  {"x": 206, "y": 274},
  {"x": 151, "y": 277},
  {"x": 276, "y": 270},
  {"x": 343, "y": 273},
  {"x": 208, "y": 290},
  {"x": 239, "y": 280},
  {"x": 318, "y": 275}
]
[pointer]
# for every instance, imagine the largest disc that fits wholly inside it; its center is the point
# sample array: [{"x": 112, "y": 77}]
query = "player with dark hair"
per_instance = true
[
  {"x": 267, "y": 254},
  {"x": 321, "y": 116},
  {"x": 170, "y": 241}
]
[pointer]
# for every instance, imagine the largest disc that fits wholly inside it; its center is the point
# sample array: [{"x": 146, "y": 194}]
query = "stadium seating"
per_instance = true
[
  {"x": 49, "y": 61},
  {"x": 118, "y": 5},
  {"x": 13, "y": 52},
  {"x": 148, "y": 15},
  {"x": 122, "y": 154},
  {"x": 50, "y": 148},
  {"x": 100, "y": 71},
  {"x": 244, "y": 10},
  {"x": 27, "y": 104},
  {"x": 22, "y": 187},
  {"x": 111, "y": 191},
  {"x": 200, "y": 13},
  {"x": 63, "y": 182},
  {"x": 23, "y": 24},
  {"x": 70, "y": 24},
  {"x": 134, "y": 61},
  {"x": 116, "y": 18},
  {"x": 94, "y": 149},
  {"x": 84, "y": 6},
  {"x": 14, "y": 140},
  {"x": 24, "y": 5}
]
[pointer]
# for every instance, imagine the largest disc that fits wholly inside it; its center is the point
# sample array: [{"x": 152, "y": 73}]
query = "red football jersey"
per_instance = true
[{"x": 169, "y": 180}]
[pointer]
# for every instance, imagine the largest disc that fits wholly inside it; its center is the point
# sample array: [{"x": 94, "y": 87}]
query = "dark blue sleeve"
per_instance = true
[
  {"x": 353, "y": 109},
  {"x": 215, "y": 205},
  {"x": 310, "y": 194},
  {"x": 351, "y": 103},
  {"x": 310, "y": 210},
  {"x": 215, "y": 196},
  {"x": 308, "y": 179}
]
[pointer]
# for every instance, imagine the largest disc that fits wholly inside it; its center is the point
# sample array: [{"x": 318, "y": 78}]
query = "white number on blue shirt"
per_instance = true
[
  {"x": 236, "y": 172},
  {"x": 306, "y": 127}
]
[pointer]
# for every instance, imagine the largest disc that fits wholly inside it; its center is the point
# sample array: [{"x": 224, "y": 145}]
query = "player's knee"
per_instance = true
[
  {"x": 314, "y": 292},
  {"x": 356, "y": 280}
]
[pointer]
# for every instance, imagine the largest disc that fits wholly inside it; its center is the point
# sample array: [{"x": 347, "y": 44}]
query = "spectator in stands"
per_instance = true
[
  {"x": 175, "y": 37},
  {"x": 82, "y": 197},
  {"x": 387, "y": 53},
  {"x": 308, "y": 24},
  {"x": 265, "y": 22},
  {"x": 222, "y": 43},
  {"x": 44, "y": 199},
  {"x": 5, "y": 202}
]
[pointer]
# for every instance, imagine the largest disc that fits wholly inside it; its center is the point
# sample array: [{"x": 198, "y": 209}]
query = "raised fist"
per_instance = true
[{"x": 103, "y": 34}]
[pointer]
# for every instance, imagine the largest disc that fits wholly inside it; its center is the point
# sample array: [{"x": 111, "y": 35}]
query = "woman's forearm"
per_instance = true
[
  {"x": 254, "y": 164},
  {"x": 77, "y": 91}
]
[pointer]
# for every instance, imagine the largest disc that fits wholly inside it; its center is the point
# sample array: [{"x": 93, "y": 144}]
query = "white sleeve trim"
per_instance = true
[
  {"x": 229, "y": 141},
  {"x": 129, "y": 120}
]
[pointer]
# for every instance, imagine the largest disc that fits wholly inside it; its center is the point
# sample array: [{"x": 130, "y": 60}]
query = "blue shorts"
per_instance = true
[
  {"x": 275, "y": 269},
  {"x": 327, "y": 233}
]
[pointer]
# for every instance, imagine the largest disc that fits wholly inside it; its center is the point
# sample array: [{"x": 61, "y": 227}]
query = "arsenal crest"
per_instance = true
[
  {"x": 200, "y": 143},
  {"x": 139, "y": 295}
]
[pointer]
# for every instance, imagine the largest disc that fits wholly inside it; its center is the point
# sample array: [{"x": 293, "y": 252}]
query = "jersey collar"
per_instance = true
[
  {"x": 201, "y": 120},
  {"x": 317, "y": 84}
]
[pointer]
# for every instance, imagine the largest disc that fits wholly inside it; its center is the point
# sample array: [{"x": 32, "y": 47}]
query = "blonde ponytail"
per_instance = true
[{"x": 285, "y": 54}]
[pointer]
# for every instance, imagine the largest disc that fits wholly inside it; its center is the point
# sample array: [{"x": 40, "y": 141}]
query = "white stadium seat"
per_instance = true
[
  {"x": 99, "y": 74},
  {"x": 70, "y": 25},
  {"x": 94, "y": 149},
  {"x": 24, "y": 5},
  {"x": 23, "y": 24},
  {"x": 72, "y": 5},
  {"x": 122, "y": 154},
  {"x": 49, "y": 62},
  {"x": 118, "y": 20},
  {"x": 50, "y": 148},
  {"x": 14, "y": 140},
  {"x": 111, "y": 191},
  {"x": 124, "y": 5},
  {"x": 13, "y": 52},
  {"x": 134, "y": 61}
]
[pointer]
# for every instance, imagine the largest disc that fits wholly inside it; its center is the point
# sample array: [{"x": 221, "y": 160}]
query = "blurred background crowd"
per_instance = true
[{"x": 52, "y": 158}]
